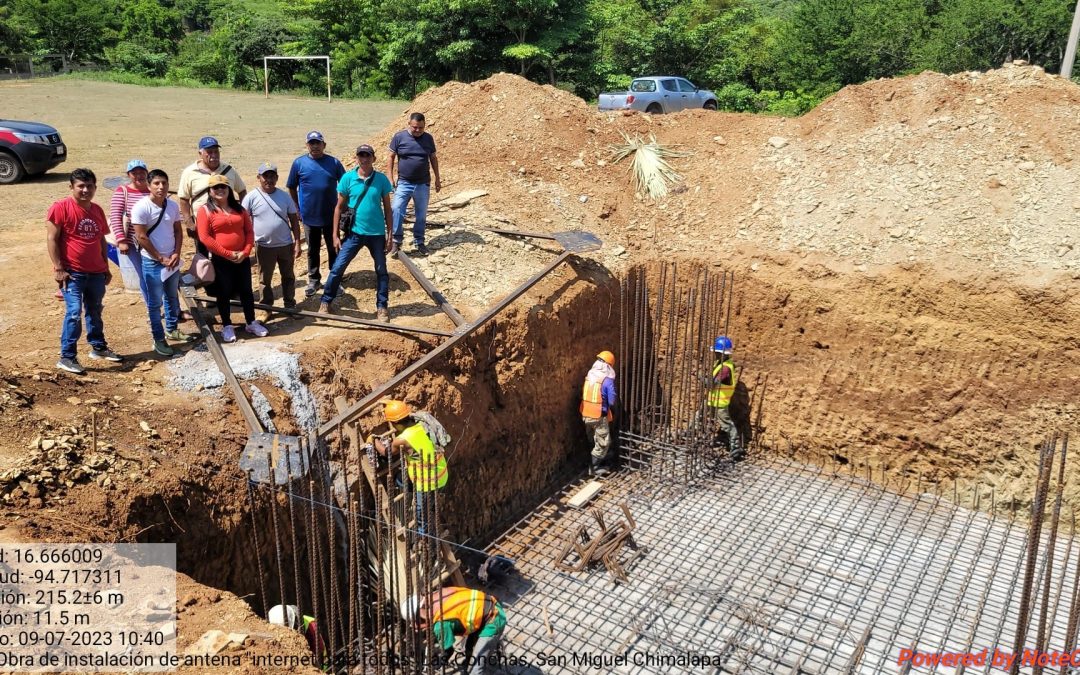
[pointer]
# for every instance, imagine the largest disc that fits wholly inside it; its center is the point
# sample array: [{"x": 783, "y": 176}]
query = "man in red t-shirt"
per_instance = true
[{"x": 76, "y": 241}]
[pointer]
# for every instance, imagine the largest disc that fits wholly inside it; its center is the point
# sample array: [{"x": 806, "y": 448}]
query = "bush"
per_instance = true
[
  {"x": 129, "y": 57},
  {"x": 737, "y": 97}
]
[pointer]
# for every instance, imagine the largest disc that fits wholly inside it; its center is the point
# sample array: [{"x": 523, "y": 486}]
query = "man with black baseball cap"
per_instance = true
[
  {"x": 366, "y": 194},
  {"x": 312, "y": 183}
]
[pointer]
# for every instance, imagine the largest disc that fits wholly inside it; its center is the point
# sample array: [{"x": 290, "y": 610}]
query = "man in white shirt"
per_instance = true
[
  {"x": 277, "y": 235},
  {"x": 157, "y": 224}
]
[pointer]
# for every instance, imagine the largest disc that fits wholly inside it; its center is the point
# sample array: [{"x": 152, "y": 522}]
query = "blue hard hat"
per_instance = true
[{"x": 722, "y": 344}]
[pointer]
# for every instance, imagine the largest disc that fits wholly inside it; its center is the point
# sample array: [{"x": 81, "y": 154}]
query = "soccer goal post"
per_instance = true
[{"x": 266, "y": 70}]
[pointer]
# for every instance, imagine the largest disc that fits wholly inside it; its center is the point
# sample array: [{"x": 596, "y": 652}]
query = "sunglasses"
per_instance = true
[
  {"x": 220, "y": 187},
  {"x": 364, "y": 154}
]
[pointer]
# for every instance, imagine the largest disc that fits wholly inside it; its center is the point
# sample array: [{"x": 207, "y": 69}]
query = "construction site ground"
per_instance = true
[{"x": 906, "y": 259}]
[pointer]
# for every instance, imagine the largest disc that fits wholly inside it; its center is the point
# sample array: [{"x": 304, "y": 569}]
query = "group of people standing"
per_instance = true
[{"x": 339, "y": 210}]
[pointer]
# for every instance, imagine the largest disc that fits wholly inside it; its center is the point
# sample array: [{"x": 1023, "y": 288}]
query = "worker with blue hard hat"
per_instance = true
[{"x": 722, "y": 385}]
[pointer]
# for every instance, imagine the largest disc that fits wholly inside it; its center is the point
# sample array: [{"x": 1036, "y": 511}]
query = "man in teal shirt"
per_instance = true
[{"x": 366, "y": 192}]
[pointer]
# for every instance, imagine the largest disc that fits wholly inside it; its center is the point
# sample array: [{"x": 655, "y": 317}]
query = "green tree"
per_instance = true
[{"x": 80, "y": 29}]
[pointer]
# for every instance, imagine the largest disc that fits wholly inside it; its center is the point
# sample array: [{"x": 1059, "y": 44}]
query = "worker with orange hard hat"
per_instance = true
[
  {"x": 425, "y": 462},
  {"x": 597, "y": 408}
]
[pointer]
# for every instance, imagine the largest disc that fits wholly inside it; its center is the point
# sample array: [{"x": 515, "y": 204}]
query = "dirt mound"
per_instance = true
[{"x": 970, "y": 173}]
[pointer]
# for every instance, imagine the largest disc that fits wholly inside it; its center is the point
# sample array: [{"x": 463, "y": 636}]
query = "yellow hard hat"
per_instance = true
[
  {"x": 607, "y": 357},
  {"x": 395, "y": 411}
]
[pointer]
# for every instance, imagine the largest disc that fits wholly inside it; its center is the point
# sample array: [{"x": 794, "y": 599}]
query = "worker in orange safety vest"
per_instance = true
[
  {"x": 597, "y": 408},
  {"x": 454, "y": 612}
]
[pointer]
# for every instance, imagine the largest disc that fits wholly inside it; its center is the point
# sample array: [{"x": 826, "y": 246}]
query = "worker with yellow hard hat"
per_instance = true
[
  {"x": 597, "y": 408},
  {"x": 425, "y": 462}
]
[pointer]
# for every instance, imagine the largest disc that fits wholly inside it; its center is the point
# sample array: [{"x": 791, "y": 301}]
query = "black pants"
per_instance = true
[
  {"x": 315, "y": 238},
  {"x": 233, "y": 280}
]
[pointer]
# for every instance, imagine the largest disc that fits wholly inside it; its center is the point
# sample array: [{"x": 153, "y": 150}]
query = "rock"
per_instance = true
[
  {"x": 211, "y": 642},
  {"x": 583, "y": 198},
  {"x": 74, "y": 400},
  {"x": 144, "y": 426},
  {"x": 578, "y": 163},
  {"x": 719, "y": 140},
  {"x": 48, "y": 444},
  {"x": 1026, "y": 166},
  {"x": 618, "y": 250},
  {"x": 778, "y": 141},
  {"x": 463, "y": 198}
]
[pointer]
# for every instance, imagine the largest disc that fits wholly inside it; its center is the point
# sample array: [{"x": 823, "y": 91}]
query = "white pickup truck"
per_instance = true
[{"x": 659, "y": 94}]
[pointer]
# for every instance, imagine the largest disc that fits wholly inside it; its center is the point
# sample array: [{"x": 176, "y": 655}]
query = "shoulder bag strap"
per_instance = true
[
  {"x": 159, "y": 217},
  {"x": 273, "y": 206}
]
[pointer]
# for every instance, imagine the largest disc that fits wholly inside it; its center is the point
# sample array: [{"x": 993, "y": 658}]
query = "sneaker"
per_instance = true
[
  {"x": 324, "y": 308},
  {"x": 71, "y": 365},
  {"x": 382, "y": 315},
  {"x": 257, "y": 329},
  {"x": 59, "y": 295},
  {"x": 163, "y": 348},
  {"x": 106, "y": 354},
  {"x": 422, "y": 250},
  {"x": 179, "y": 336},
  {"x": 312, "y": 288},
  {"x": 228, "y": 334}
]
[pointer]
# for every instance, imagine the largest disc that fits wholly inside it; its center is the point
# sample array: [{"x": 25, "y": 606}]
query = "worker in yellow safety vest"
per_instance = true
[
  {"x": 453, "y": 612},
  {"x": 722, "y": 383},
  {"x": 425, "y": 463},
  {"x": 597, "y": 408}
]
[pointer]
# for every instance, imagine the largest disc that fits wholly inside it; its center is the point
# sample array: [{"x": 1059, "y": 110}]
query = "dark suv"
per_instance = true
[{"x": 28, "y": 148}]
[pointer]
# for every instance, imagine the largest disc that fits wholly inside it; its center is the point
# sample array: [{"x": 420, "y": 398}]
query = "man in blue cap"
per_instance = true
[
  {"x": 312, "y": 182},
  {"x": 722, "y": 382},
  {"x": 194, "y": 187}
]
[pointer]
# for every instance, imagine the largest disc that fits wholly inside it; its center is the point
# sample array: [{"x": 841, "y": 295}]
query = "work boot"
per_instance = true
[{"x": 736, "y": 449}]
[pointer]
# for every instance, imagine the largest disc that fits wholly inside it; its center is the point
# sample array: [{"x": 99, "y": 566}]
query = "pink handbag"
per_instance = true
[{"x": 202, "y": 269}]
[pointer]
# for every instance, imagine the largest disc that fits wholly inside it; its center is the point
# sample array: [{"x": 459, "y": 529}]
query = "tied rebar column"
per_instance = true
[{"x": 669, "y": 317}]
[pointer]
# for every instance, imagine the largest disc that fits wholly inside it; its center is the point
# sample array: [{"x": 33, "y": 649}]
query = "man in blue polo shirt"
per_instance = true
[
  {"x": 412, "y": 150},
  {"x": 312, "y": 183},
  {"x": 367, "y": 193}
]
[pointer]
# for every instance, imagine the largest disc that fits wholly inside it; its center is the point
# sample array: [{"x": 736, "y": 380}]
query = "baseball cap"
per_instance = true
[
  {"x": 266, "y": 167},
  {"x": 208, "y": 142},
  {"x": 135, "y": 164},
  {"x": 365, "y": 148},
  {"x": 217, "y": 179},
  {"x": 315, "y": 136}
]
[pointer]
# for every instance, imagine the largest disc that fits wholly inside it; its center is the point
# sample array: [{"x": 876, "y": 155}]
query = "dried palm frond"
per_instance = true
[{"x": 653, "y": 175}]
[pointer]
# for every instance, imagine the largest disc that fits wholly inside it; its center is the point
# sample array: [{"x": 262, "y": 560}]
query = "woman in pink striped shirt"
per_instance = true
[{"x": 123, "y": 200}]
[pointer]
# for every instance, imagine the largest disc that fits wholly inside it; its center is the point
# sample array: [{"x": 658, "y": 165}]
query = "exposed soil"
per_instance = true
[{"x": 906, "y": 295}]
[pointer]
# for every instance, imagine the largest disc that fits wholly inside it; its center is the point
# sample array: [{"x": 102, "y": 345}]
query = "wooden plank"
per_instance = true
[{"x": 585, "y": 494}]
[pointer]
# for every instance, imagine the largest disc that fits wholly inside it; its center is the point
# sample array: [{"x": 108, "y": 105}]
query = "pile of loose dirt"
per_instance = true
[{"x": 971, "y": 172}]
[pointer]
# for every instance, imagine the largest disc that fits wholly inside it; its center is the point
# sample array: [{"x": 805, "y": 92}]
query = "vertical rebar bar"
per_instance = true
[
  {"x": 1041, "y": 639},
  {"x": 255, "y": 527},
  {"x": 1037, "y": 508}
]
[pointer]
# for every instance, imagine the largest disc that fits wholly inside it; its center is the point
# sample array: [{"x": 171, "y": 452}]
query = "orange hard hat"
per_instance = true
[
  {"x": 395, "y": 411},
  {"x": 607, "y": 357}
]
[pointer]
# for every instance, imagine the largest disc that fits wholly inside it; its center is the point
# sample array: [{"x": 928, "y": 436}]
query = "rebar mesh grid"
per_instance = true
[{"x": 773, "y": 567}]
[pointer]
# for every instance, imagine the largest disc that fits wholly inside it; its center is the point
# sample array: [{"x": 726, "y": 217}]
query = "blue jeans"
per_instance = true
[
  {"x": 156, "y": 291},
  {"x": 83, "y": 292},
  {"x": 419, "y": 193},
  {"x": 375, "y": 245}
]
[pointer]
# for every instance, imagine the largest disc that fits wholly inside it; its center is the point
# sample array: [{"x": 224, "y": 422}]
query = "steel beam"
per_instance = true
[
  {"x": 254, "y": 425},
  {"x": 367, "y": 323},
  {"x": 362, "y": 406},
  {"x": 436, "y": 296}
]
